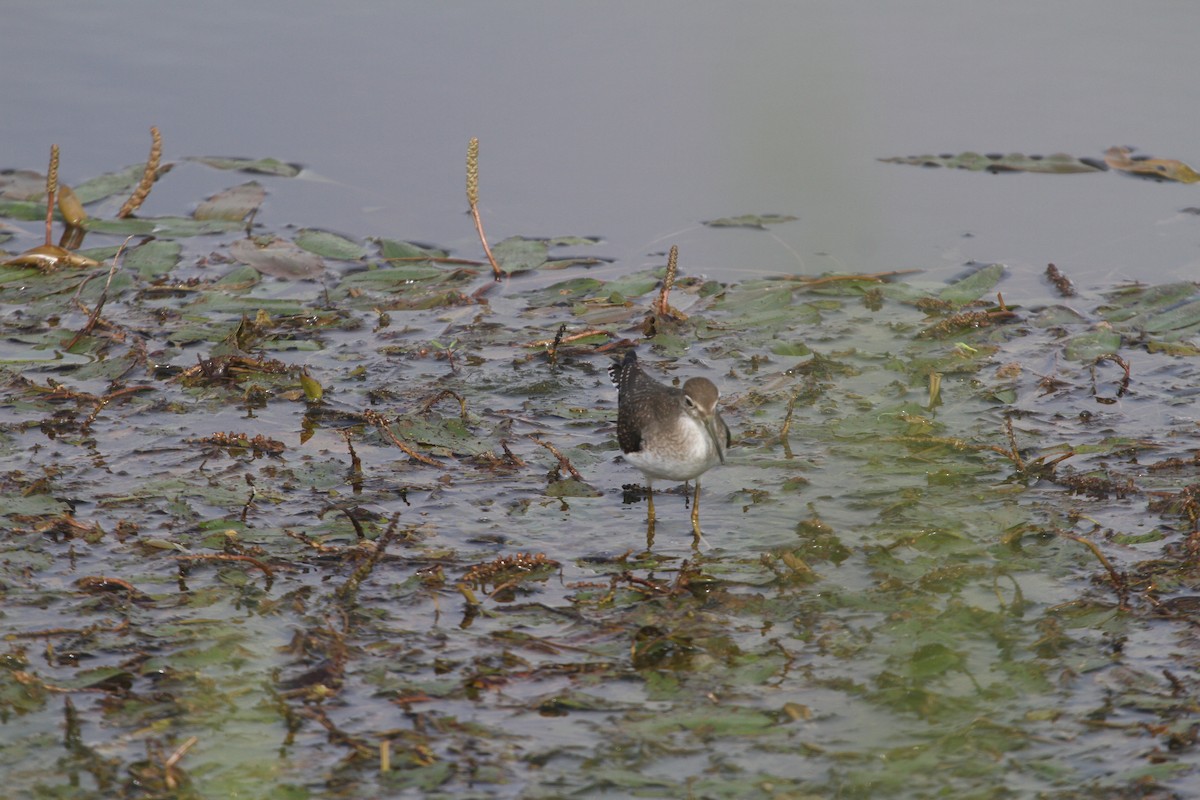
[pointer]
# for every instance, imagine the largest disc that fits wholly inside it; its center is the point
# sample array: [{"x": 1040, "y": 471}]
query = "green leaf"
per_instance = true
[
  {"x": 635, "y": 285},
  {"x": 130, "y": 226},
  {"x": 22, "y": 184},
  {"x": 572, "y": 241},
  {"x": 518, "y": 254},
  {"x": 34, "y": 505},
  {"x": 790, "y": 349},
  {"x": 715, "y": 721},
  {"x": 934, "y": 660},
  {"x": 1176, "y": 318},
  {"x": 756, "y": 221},
  {"x": 278, "y": 258},
  {"x": 330, "y": 245},
  {"x": 391, "y": 278},
  {"x": 100, "y": 678},
  {"x": 216, "y": 302},
  {"x": 165, "y": 227},
  {"x": 109, "y": 184},
  {"x": 1132, "y": 303},
  {"x": 313, "y": 391},
  {"x": 424, "y": 779},
  {"x": 974, "y": 286},
  {"x": 449, "y": 436},
  {"x": 394, "y": 249},
  {"x": 1090, "y": 346},
  {"x": 153, "y": 258},
  {"x": 22, "y": 209},
  {"x": 996, "y": 162},
  {"x": 564, "y": 292},
  {"x": 233, "y": 204},
  {"x": 260, "y": 166},
  {"x": 766, "y": 309},
  {"x": 572, "y": 261},
  {"x": 572, "y": 488}
]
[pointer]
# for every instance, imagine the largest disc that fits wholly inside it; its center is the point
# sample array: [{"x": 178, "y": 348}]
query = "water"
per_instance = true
[
  {"x": 635, "y": 121},
  {"x": 954, "y": 627}
]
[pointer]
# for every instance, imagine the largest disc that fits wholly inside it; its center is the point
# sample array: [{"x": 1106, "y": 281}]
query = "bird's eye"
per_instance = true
[{"x": 689, "y": 402}]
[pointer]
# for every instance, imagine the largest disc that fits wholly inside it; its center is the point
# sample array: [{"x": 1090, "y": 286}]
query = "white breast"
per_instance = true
[{"x": 682, "y": 456}]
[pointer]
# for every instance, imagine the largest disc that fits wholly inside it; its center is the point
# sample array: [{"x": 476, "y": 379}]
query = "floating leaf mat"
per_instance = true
[
  {"x": 1119, "y": 159},
  {"x": 359, "y": 530}
]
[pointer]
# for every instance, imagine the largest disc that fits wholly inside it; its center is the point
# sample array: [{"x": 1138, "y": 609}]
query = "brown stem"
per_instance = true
[
  {"x": 1117, "y": 580},
  {"x": 95, "y": 315},
  {"x": 379, "y": 422},
  {"x": 563, "y": 461},
  {"x": 230, "y": 557},
  {"x": 462, "y": 402}
]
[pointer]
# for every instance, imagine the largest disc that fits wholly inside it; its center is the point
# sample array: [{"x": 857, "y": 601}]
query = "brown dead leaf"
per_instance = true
[
  {"x": 48, "y": 257},
  {"x": 278, "y": 258},
  {"x": 233, "y": 204},
  {"x": 1118, "y": 158}
]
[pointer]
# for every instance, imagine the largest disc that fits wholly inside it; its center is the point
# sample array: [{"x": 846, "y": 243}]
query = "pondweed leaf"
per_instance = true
[
  {"x": 330, "y": 245},
  {"x": 35, "y": 505},
  {"x": 932, "y": 660},
  {"x": 22, "y": 209},
  {"x": 999, "y": 162},
  {"x": 518, "y": 254},
  {"x": 1120, "y": 158},
  {"x": 888, "y": 596},
  {"x": 278, "y": 258},
  {"x": 756, "y": 221},
  {"x": 1130, "y": 303},
  {"x": 395, "y": 249},
  {"x": 164, "y": 227},
  {"x": 109, "y": 184},
  {"x": 565, "y": 292},
  {"x": 395, "y": 278},
  {"x": 22, "y": 184},
  {"x": 635, "y": 285},
  {"x": 260, "y": 166},
  {"x": 1090, "y": 346},
  {"x": 153, "y": 258},
  {"x": 973, "y": 286},
  {"x": 233, "y": 204}
]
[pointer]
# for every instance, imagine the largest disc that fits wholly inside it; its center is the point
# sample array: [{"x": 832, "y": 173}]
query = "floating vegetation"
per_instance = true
[
  {"x": 149, "y": 176},
  {"x": 286, "y": 513},
  {"x": 1118, "y": 159},
  {"x": 756, "y": 221},
  {"x": 1002, "y": 162}
]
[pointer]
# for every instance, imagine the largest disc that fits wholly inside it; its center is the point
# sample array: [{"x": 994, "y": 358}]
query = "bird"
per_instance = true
[{"x": 667, "y": 432}]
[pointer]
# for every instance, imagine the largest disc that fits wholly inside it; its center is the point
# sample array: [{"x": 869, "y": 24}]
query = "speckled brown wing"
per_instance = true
[
  {"x": 624, "y": 373},
  {"x": 634, "y": 389}
]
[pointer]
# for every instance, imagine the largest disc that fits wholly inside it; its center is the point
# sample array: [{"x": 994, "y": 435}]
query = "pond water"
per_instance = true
[
  {"x": 635, "y": 121},
  {"x": 901, "y": 596}
]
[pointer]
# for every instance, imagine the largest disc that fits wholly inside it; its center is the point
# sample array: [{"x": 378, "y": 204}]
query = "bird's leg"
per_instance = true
[
  {"x": 696, "y": 512},
  {"x": 649, "y": 515}
]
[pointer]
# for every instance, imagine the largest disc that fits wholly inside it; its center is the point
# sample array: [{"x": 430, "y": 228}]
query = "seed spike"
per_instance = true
[
  {"x": 149, "y": 174},
  {"x": 51, "y": 190},
  {"x": 661, "y": 307},
  {"x": 473, "y": 200},
  {"x": 473, "y": 172}
]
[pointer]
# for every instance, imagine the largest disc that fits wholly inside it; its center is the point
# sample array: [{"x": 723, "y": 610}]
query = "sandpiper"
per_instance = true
[{"x": 670, "y": 433}]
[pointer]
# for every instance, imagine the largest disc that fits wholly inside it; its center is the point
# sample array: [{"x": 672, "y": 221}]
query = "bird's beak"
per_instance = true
[{"x": 718, "y": 432}]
